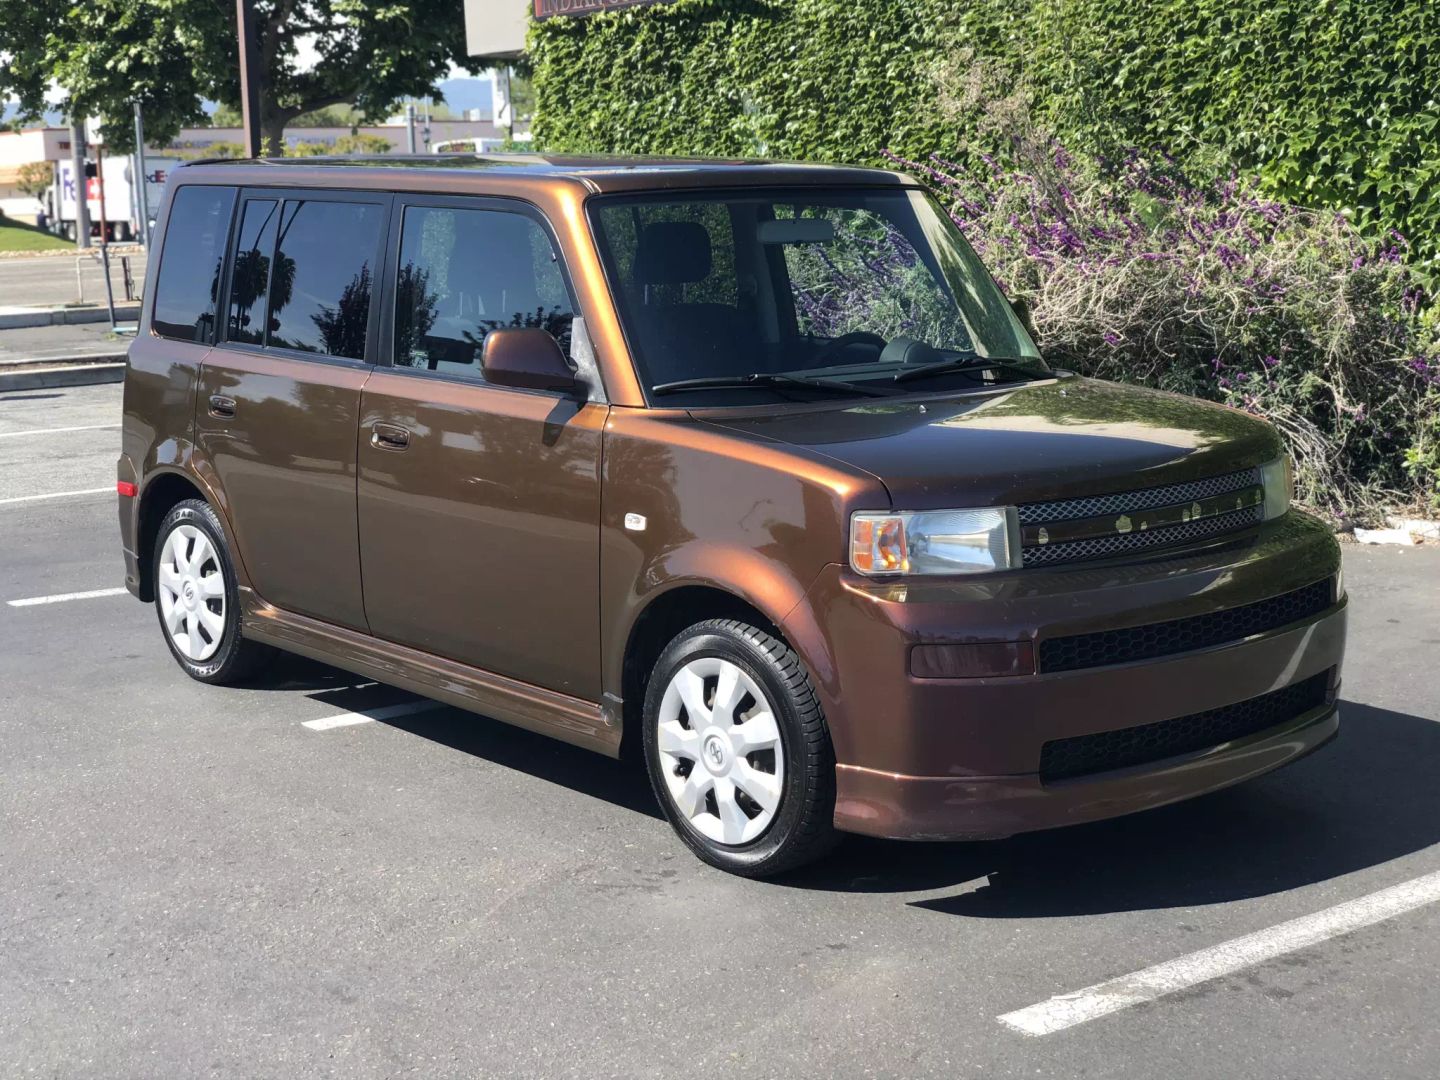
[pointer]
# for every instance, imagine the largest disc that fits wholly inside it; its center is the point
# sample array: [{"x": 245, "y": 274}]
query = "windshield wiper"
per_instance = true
[
  {"x": 764, "y": 378},
  {"x": 970, "y": 366}
]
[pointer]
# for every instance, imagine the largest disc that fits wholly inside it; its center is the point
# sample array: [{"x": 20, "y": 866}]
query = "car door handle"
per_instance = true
[
  {"x": 222, "y": 406},
  {"x": 389, "y": 437}
]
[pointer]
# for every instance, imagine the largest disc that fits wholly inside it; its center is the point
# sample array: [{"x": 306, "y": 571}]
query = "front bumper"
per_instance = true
[{"x": 961, "y": 758}]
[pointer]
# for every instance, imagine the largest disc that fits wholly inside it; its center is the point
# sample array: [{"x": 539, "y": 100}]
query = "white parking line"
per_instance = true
[
  {"x": 1067, "y": 1010},
  {"x": 60, "y": 598},
  {"x": 57, "y": 495},
  {"x": 388, "y": 712},
  {"x": 57, "y": 430}
]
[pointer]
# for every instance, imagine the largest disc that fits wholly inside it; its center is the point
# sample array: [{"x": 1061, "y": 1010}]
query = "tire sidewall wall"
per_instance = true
[
  {"x": 202, "y": 517},
  {"x": 695, "y": 645}
]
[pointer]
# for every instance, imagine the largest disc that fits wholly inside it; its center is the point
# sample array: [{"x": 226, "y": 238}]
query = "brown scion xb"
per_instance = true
[{"x": 748, "y": 466}]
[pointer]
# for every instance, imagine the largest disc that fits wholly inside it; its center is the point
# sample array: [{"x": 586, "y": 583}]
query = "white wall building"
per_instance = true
[{"x": 19, "y": 148}]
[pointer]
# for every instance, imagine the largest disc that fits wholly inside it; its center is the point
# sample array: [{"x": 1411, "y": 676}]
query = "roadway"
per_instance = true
[{"x": 234, "y": 882}]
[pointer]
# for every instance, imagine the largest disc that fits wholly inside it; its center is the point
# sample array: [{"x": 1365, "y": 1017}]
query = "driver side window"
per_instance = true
[{"x": 464, "y": 273}]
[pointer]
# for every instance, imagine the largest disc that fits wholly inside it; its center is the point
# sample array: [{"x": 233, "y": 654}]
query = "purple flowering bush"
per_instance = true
[{"x": 1135, "y": 272}]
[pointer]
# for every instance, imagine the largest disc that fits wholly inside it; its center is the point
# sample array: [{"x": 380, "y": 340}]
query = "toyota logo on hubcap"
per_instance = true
[{"x": 715, "y": 752}]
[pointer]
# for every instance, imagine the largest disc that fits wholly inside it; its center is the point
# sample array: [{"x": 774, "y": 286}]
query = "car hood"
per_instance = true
[{"x": 1034, "y": 442}]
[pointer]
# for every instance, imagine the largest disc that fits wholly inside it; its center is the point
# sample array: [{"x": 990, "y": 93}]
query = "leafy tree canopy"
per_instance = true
[{"x": 171, "y": 54}]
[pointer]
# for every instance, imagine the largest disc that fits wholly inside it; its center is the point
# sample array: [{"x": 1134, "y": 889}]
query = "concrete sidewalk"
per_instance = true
[{"x": 64, "y": 355}]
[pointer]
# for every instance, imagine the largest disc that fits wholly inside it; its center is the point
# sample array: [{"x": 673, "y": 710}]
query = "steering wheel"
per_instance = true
[{"x": 844, "y": 341}]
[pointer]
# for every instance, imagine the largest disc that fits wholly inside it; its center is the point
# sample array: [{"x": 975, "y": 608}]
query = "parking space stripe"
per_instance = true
[
  {"x": 57, "y": 430},
  {"x": 60, "y": 598},
  {"x": 58, "y": 495},
  {"x": 1067, "y": 1010},
  {"x": 388, "y": 712}
]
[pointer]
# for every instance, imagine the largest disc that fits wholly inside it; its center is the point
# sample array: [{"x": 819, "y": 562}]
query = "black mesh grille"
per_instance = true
[
  {"x": 1183, "y": 635},
  {"x": 1123, "y": 502},
  {"x": 1063, "y": 759},
  {"x": 1100, "y": 547}
]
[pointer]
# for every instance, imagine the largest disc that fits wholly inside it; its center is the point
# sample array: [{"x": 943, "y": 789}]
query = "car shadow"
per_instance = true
[
  {"x": 1367, "y": 798},
  {"x": 622, "y": 783}
]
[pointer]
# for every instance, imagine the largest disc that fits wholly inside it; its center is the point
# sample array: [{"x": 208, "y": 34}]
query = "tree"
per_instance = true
[
  {"x": 170, "y": 55},
  {"x": 35, "y": 178}
]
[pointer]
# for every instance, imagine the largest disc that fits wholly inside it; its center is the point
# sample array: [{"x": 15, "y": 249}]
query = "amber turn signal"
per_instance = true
[{"x": 973, "y": 661}]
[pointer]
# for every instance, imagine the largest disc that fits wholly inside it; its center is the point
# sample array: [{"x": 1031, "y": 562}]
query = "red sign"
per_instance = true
[{"x": 545, "y": 9}]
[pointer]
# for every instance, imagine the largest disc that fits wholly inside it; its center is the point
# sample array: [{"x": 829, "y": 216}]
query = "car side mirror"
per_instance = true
[
  {"x": 1022, "y": 312},
  {"x": 529, "y": 359}
]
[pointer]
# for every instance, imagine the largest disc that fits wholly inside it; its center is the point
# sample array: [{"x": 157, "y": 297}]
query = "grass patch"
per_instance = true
[{"x": 17, "y": 237}]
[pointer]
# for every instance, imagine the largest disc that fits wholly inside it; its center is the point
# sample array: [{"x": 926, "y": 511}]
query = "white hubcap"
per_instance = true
[
  {"x": 720, "y": 751},
  {"x": 192, "y": 592}
]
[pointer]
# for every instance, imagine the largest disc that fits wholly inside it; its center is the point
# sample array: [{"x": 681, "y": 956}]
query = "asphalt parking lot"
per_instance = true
[
  {"x": 324, "y": 877},
  {"x": 46, "y": 280}
]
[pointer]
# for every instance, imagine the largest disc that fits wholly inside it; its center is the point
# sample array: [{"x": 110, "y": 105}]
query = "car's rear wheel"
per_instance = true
[
  {"x": 197, "y": 599},
  {"x": 737, "y": 749}
]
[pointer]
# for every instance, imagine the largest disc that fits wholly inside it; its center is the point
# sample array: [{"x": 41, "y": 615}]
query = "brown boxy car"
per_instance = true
[{"x": 750, "y": 467}]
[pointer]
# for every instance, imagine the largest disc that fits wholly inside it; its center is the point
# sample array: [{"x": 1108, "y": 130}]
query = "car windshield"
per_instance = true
[{"x": 742, "y": 298}]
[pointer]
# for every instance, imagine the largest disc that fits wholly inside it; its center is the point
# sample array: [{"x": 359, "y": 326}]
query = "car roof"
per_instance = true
[{"x": 595, "y": 173}]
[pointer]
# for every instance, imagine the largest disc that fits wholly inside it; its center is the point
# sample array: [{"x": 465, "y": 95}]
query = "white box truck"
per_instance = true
[{"x": 121, "y": 209}]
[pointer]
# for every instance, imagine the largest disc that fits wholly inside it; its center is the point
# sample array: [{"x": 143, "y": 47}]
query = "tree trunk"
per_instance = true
[{"x": 272, "y": 131}]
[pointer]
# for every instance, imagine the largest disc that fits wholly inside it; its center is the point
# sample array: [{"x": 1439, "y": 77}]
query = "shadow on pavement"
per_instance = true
[
  {"x": 619, "y": 782},
  {"x": 1369, "y": 797}
]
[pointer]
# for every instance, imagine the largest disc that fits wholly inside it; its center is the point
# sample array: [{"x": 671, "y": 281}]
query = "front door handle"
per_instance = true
[
  {"x": 389, "y": 437},
  {"x": 222, "y": 407}
]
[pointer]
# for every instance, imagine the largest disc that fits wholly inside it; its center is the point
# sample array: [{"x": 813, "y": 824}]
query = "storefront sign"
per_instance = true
[{"x": 544, "y": 9}]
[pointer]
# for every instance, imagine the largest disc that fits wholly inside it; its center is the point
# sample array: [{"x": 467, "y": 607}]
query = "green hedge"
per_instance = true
[{"x": 1334, "y": 103}]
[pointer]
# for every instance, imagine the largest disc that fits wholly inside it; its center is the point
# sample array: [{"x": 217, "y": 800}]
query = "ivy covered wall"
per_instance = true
[{"x": 1332, "y": 103}]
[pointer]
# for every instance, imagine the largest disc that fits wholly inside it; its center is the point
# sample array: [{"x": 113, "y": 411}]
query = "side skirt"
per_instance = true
[{"x": 570, "y": 719}]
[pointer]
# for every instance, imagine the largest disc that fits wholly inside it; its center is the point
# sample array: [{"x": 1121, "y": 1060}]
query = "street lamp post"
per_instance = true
[
  {"x": 142, "y": 195},
  {"x": 77, "y": 177}
]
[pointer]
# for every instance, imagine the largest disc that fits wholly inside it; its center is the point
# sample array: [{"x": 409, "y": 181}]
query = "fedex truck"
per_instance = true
[{"x": 121, "y": 208}]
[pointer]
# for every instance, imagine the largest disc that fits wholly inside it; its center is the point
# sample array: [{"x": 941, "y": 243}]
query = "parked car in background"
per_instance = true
[{"x": 749, "y": 467}]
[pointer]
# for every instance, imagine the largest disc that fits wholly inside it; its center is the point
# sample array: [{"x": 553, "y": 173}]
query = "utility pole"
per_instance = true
[
  {"x": 100, "y": 183},
  {"x": 249, "y": 76},
  {"x": 77, "y": 177},
  {"x": 142, "y": 195},
  {"x": 410, "y": 127}
]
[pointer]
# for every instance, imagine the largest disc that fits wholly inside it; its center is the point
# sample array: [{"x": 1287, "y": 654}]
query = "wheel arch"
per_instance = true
[
  {"x": 163, "y": 490},
  {"x": 682, "y": 604}
]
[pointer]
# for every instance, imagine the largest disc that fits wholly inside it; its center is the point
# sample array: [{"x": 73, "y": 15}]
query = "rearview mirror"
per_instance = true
[
  {"x": 796, "y": 231},
  {"x": 528, "y": 359}
]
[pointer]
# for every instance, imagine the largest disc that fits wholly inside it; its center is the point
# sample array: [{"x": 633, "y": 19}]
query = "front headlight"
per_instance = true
[
  {"x": 1279, "y": 484},
  {"x": 934, "y": 541}
]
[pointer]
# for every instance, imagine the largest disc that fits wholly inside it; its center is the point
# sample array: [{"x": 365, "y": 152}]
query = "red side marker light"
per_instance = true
[{"x": 126, "y": 488}]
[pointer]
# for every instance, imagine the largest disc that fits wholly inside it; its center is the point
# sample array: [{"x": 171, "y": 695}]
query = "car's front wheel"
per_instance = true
[
  {"x": 197, "y": 599},
  {"x": 737, "y": 749}
]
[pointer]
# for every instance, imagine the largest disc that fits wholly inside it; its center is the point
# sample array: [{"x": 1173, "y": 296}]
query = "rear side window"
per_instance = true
[
  {"x": 303, "y": 275},
  {"x": 324, "y": 265},
  {"x": 187, "y": 289},
  {"x": 463, "y": 273},
  {"x": 250, "y": 275}
]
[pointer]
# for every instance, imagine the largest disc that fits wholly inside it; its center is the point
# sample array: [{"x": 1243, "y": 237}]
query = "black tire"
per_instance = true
[
  {"x": 235, "y": 660},
  {"x": 802, "y": 828}
]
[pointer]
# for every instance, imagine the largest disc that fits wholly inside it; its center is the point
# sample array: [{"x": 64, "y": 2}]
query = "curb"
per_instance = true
[
  {"x": 24, "y": 320},
  {"x": 75, "y": 371}
]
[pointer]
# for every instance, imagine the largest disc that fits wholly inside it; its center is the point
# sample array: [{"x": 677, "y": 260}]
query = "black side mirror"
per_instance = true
[
  {"x": 1022, "y": 312},
  {"x": 529, "y": 359}
]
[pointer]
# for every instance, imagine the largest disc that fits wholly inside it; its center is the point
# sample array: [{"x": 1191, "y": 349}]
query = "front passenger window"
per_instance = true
[{"x": 464, "y": 273}]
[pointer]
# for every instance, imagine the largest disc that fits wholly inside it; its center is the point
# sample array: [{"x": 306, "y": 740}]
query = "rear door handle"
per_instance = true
[
  {"x": 389, "y": 436},
  {"x": 222, "y": 406}
]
